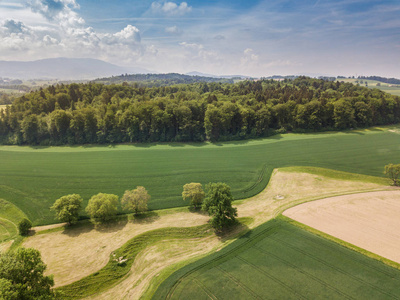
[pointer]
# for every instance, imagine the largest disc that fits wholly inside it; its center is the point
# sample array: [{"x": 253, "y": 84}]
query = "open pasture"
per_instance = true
[
  {"x": 369, "y": 221},
  {"x": 281, "y": 261},
  {"x": 33, "y": 178}
]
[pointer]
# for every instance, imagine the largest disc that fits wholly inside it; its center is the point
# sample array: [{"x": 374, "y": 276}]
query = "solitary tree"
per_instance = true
[
  {"x": 136, "y": 200},
  {"x": 218, "y": 204},
  {"x": 67, "y": 208},
  {"x": 24, "y": 226},
  {"x": 102, "y": 207},
  {"x": 193, "y": 192},
  {"x": 393, "y": 171},
  {"x": 22, "y": 276}
]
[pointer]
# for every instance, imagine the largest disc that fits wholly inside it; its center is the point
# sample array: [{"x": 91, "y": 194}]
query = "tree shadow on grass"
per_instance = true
[
  {"x": 144, "y": 218},
  {"x": 113, "y": 225},
  {"x": 78, "y": 228},
  {"x": 232, "y": 232}
]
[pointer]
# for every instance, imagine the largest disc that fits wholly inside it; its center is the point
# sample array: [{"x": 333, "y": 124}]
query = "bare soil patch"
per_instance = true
[{"x": 368, "y": 220}]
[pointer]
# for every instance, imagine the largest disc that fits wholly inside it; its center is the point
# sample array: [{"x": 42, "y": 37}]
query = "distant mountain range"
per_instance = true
[{"x": 63, "y": 69}]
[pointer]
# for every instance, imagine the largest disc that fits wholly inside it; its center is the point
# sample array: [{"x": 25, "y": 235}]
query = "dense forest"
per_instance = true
[
  {"x": 98, "y": 113},
  {"x": 157, "y": 80}
]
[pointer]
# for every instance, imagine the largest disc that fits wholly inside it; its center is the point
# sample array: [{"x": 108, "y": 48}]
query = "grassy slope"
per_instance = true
[
  {"x": 33, "y": 178},
  {"x": 283, "y": 261},
  {"x": 10, "y": 216}
]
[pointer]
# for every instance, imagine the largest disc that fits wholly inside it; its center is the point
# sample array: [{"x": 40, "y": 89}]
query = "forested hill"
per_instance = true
[
  {"x": 157, "y": 80},
  {"x": 381, "y": 79},
  {"x": 98, "y": 113}
]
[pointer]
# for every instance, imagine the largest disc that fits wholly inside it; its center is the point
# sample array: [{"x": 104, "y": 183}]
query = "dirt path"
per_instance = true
[
  {"x": 73, "y": 254},
  {"x": 369, "y": 220}
]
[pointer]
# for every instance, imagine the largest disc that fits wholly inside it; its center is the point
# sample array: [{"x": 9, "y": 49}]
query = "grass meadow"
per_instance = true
[
  {"x": 33, "y": 178},
  {"x": 278, "y": 260}
]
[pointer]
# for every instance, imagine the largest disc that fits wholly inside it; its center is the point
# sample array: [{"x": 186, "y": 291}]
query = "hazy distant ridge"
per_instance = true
[{"x": 62, "y": 68}]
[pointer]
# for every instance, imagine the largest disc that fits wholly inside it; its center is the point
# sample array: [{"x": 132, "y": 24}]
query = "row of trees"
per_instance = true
[
  {"x": 97, "y": 113},
  {"x": 101, "y": 207},
  {"x": 104, "y": 207}
]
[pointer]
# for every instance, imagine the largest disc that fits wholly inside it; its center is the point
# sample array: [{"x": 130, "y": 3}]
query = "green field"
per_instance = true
[
  {"x": 388, "y": 88},
  {"x": 33, "y": 178},
  {"x": 281, "y": 261}
]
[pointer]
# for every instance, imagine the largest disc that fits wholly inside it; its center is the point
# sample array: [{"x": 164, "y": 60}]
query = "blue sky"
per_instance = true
[{"x": 258, "y": 38}]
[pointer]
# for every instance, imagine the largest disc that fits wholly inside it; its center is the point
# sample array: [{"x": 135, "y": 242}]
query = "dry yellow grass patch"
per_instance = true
[
  {"x": 369, "y": 220},
  {"x": 74, "y": 254},
  {"x": 153, "y": 260},
  {"x": 287, "y": 189},
  {"x": 5, "y": 246}
]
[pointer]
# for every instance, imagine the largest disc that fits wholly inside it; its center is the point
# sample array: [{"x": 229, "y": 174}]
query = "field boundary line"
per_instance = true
[
  {"x": 205, "y": 289},
  {"x": 334, "y": 268},
  {"x": 304, "y": 272},
  {"x": 238, "y": 282},
  {"x": 216, "y": 259},
  {"x": 345, "y": 247},
  {"x": 289, "y": 288}
]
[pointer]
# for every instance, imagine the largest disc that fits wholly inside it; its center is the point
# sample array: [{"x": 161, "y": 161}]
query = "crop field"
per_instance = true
[
  {"x": 367, "y": 220},
  {"x": 281, "y": 261},
  {"x": 393, "y": 89},
  {"x": 33, "y": 178}
]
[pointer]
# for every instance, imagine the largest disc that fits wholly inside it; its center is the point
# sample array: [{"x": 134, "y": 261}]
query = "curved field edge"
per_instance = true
[
  {"x": 245, "y": 165},
  {"x": 115, "y": 271},
  {"x": 167, "y": 288},
  {"x": 10, "y": 216}
]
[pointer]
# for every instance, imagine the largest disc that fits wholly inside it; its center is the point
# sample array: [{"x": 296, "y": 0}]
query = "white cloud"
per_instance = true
[
  {"x": 170, "y": 8},
  {"x": 175, "y": 30}
]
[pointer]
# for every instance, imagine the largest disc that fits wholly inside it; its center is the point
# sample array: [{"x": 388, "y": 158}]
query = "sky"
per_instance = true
[{"x": 221, "y": 37}]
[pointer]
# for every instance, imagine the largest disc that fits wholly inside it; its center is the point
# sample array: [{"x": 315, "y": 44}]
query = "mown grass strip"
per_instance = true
[{"x": 114, "y": 271}]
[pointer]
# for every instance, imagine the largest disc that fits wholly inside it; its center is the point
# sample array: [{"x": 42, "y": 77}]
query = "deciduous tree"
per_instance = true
[
  {"x": 102, "y": 207},
  {"x": 24, "y": 226},
  {"x": 67, "y": 208},
  {"x": 393, "y": 172},
  {"x": 22, "y": 276},
  {"x": 218, "y": 204},
  {"x": 136, "y": 200},
  {"x": 193, "y": 192}
]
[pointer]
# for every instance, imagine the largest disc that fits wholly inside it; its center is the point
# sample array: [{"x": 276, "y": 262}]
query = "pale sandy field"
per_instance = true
[
  {"x": 74, "y": 254},
  {"x": 369, "y": 220}
]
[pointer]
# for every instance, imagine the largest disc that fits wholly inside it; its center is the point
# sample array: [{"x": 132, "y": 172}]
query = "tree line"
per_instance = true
[{"x": 98, "y": 113}]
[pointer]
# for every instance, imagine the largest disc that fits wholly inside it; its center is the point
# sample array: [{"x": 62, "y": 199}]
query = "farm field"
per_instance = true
[
  {"x": 72, "y": 254},
  {"x": 32, "y": 178},
  {"x": 368, "y": 221},
  {"x": 281, "y": 261},
  {"x": 386, "y": 87}
]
